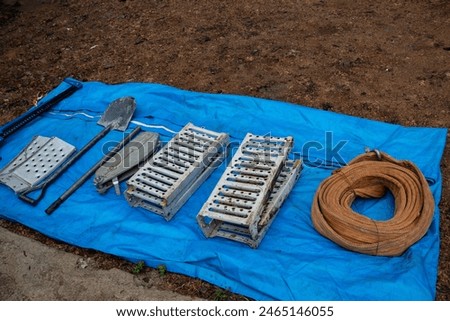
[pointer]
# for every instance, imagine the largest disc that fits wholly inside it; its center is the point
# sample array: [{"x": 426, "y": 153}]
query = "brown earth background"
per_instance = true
[{"x": 382, "y": 60}]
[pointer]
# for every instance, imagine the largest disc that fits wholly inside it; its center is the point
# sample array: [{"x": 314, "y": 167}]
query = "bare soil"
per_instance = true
[
  {"x": 31, "y": 270},
  {"x": 388, "y": 61}
]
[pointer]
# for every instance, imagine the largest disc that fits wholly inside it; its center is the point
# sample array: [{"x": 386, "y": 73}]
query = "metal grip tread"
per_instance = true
[
  {"x": 251, "y": 191},
  {"x": 161, "y": 184},
  {"x": 244, "y": 188},
  {"x": 37, "y": 161}
]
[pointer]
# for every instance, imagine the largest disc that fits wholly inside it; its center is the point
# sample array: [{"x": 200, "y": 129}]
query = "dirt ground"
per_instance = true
[
  {"x": 388, "y": 62},
  {"x": 33, "y": 271}
]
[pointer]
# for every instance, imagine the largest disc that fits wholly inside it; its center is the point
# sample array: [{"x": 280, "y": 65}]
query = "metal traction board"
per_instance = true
[
  {"x": 168, "y": 179},
  {"x": 35, "y": 163},
  {"x": 283, "y": 186},
  {"x": 243, "y": 190}
]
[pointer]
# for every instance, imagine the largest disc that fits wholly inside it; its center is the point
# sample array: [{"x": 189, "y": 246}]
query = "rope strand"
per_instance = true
[{"x": 334, "y": 218}]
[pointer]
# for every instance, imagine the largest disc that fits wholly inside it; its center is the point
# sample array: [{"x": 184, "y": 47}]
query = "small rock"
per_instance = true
[
  {"x": 139, "y": 40},
  {"x": 203, "y": 39},
  {"x": 83, "y": 263},
  {"x": 108, "y": 65},
  {"x": 144, "y": 282},
  {"x": 326, "y": 106}
]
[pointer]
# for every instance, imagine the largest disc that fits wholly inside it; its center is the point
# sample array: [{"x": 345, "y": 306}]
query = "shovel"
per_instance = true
[{"x": 117, "y": 116}]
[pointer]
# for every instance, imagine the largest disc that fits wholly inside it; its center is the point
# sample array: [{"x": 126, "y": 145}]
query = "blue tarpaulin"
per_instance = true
[{"x": 293, "y": 261}]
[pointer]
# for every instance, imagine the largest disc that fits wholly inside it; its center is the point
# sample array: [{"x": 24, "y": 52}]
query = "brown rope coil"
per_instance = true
[{"x": 368, "y": 176}]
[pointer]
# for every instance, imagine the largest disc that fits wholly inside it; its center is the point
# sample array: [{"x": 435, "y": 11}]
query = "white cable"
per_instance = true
[
  {"x": 153, "y": 126},
  {"x": 134, "y": 121},
  {"x": 74, "y": 114}
]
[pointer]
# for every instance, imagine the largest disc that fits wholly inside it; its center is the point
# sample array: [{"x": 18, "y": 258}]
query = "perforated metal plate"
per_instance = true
[
  {"x": 168, "y": 179},
  {"x": 243, "y": 189},
  {"x": 285, "y": 182},
  {"x": 35, "y": 162},
  {"x": 240, "y": 207},
  {"x": 283, "y": 186},
  {"x": 153, "y": 203}
]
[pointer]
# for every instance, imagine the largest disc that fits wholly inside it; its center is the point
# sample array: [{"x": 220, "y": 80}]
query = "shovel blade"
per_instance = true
[{"x": 118, "y": 114}]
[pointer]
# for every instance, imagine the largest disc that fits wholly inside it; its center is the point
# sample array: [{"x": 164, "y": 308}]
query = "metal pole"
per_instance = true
[{"x": 86, "y": 176}]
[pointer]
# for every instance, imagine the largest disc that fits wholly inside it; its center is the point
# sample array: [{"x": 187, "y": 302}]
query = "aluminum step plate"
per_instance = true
[
  {"x": 223, "y": 228},
  {"x": 162, "y": 182},
  {"x": 242, "y": 191},
  {"x": 152, "y": 203},
  {"x": 35, "y": 162}
]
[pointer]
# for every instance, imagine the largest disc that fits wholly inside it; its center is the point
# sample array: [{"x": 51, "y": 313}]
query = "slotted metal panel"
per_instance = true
[
  {"x": 35, "y": 163},
  {"x": 251, "y": 190},
  {"x": 167, "y": 180},
  {"x": 244, "y": 187}
]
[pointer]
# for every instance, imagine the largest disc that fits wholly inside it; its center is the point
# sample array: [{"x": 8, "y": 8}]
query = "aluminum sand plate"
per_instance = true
[{"x": 35, "y": 163}]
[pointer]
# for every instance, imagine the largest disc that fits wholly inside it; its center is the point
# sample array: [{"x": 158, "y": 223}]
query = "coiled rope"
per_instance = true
[{"x": 368, "y": 176}]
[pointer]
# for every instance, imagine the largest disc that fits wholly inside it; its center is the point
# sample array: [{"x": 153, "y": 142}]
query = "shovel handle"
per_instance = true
[
  {"x": 91, "y": 171},
  {"x": 43, "y": 186},
  {"x": 54, "y": 206}
]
